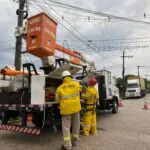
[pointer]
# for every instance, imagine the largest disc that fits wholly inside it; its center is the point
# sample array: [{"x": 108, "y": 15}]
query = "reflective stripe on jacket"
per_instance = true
[
  {"x": 90, "y": 98},
  {"x": 68, "y": 95}
]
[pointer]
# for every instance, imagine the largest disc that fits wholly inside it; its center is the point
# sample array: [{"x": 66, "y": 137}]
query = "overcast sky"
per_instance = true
[{"x": 96, "y": 28}]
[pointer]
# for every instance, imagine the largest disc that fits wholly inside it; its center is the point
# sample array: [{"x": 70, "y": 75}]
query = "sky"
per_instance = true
[{"x": 88, "y": 27}]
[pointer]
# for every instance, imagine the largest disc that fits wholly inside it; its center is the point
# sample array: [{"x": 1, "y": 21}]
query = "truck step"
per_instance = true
[{"x": 15, "y": 128}]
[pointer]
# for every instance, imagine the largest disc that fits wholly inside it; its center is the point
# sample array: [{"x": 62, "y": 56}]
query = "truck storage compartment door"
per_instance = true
[
  {"x": 101, "y": 90},
  {"x": 38, "y": 90},
  {"x": 15, "y": 98}
]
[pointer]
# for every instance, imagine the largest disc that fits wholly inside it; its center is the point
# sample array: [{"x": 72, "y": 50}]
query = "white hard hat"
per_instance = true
[{"x": 65, "y": 73}]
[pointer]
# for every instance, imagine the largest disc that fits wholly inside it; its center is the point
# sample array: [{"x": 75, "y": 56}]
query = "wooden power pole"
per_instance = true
[{"x": 123, "y": 71}]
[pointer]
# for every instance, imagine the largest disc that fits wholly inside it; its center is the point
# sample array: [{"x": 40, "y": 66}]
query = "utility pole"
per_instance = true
[
  {"x": 123, "y": 71},
  {"x": 20, "y": 12}
]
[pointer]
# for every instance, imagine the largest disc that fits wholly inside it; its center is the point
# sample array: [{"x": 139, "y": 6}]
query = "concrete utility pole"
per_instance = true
[
  {"x": 123, "y": 71},
  {"x": 20, "y": 12}
]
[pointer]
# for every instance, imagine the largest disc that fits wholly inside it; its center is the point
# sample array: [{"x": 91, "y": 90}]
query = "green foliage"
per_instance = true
[{"x": 147, "y": 85}]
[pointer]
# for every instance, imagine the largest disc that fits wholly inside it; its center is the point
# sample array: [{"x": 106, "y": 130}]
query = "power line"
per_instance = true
[
  {"x": 42, "y": 6},
  {"x": 7, "y": 48},
  {"x": 71, "y": 25},
  {"x": 7, "y": 41},
  {"x": 77, "y": 31},
  {"x": 96, "y": 20},
  {"x": 109, "y": 16},
  {"x": 79, "y": 14},
  {"x": 122, "y": 39},
  {"x": 110, "y": 42},
  {"x": 25, "y": 58},
  {"x": 29, "y": 58},
  {"x": 67, "y": 22},
  {"x": 85, "y": 18}
]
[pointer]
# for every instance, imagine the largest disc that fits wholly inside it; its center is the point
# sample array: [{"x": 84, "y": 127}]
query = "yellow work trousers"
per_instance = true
[
  {"x": 69, "y": 121},
  {"x": 89, "y": 123}
]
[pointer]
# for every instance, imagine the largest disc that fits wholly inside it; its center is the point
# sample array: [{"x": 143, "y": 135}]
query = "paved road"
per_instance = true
[{"x": 127, "y": 130}]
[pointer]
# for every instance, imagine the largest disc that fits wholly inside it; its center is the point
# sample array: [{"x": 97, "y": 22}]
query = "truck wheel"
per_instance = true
[
  {"x": 4, "y": 115},
  {"x": 38, "y": 119},
  {"x": 24, "y": 118},
  {"x": 115, "y": 107},
  {"x": 141, "y": 94}
]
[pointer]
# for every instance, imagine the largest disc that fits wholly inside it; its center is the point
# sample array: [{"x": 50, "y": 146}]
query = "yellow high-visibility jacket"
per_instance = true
[
  {"x": 90, "y": 98},
  {"x": 68, "y": 96}
]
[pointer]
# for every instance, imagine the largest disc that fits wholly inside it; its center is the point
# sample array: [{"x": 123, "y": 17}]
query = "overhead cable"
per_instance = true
[
  {"x": 109, "y": 16},
  {"x": 83, "y": 41}
]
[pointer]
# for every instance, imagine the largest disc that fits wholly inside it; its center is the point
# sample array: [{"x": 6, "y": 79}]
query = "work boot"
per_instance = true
[
  {"x": 64, "y": 148},
  {"x": 85, "y": 134},
  {"x": 74, "y": 142},
  {"x": 94, "y": 133}
]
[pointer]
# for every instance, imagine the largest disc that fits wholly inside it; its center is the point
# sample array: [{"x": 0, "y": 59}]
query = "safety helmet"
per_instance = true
[
  {"x": 92, "y": 81},
  {"x": 65, "y": 73}
]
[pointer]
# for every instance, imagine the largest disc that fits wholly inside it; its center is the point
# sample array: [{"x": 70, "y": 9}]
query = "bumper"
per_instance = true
[{"x": 132, "y": 94}]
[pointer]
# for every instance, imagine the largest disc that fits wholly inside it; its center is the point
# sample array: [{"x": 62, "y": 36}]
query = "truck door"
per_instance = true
[{"x": 101, "y": 90}]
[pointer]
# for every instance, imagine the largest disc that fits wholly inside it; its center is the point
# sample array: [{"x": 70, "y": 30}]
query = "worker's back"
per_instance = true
[{"x": 68, "y": 95}]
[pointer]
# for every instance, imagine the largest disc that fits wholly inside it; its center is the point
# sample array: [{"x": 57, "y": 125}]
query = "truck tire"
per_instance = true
[
  {"x": 24, "y": 118},
  {"x": 4, "y": 115},
  {"x": 115, "y": 105},
  {"x": 141, "y": 94},
  {"x": 38, "y": 119}
]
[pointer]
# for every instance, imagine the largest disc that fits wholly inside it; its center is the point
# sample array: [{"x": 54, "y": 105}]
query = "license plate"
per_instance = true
[{"x": 132, "y": 94}]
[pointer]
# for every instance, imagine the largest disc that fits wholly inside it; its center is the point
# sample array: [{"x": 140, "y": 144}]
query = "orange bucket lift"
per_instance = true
[{"x": 11, "y": 72}]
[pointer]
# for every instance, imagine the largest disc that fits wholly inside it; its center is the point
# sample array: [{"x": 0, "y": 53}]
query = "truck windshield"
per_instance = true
[{"x": 132, "y": 86}]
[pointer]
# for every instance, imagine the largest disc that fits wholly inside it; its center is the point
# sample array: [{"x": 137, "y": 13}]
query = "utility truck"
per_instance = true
[{"x": 28, "y": 103}]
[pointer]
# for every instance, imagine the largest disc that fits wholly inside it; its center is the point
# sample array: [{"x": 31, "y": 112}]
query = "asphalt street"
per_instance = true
[{"x": 129, "y": 129}]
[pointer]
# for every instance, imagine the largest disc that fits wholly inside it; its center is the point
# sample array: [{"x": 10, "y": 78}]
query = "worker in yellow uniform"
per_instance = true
[
  {"x": 68, "y": 96},
  {"x": 90, "y": 98}
]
